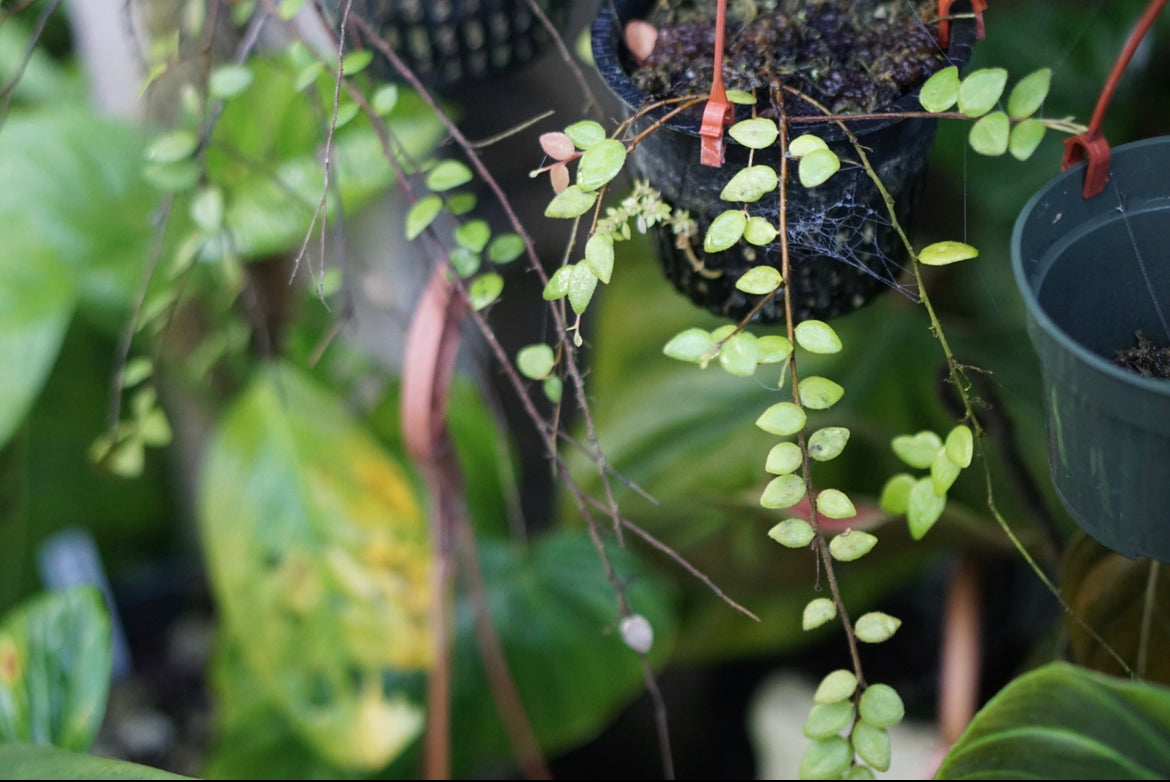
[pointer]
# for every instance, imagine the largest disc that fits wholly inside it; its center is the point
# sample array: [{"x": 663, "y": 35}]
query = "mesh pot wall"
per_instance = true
[
  {"x": 451, "y": 42},
  {"x": 1092, "y": 273},
  {"x": 843, "y": 249}
]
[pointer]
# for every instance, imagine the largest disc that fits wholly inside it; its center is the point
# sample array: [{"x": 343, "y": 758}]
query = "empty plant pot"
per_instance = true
[
  {"x": 451, "y": 42},
  {"x": 843, "y": 248},
  {"x": 1093, "y": 273}
]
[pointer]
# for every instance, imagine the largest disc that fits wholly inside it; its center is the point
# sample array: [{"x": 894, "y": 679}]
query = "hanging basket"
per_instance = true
[
  {"x": 844, "y": 250},
  {"x": 452, "y": 42},
  {"x": 1092, "y": 273}
]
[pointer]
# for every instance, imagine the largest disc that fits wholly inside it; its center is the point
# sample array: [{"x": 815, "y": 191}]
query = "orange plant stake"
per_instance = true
[{"x": 717, "y": 114}]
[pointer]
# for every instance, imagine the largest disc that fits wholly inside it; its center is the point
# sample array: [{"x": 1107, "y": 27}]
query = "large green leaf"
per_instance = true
[
  {"x": 1066, "y": 722},
  {"x": 319, "y": 556},
  {"x": 73, "y": 185},
  {"x": 266, "y": 155},
  {"x": 34, "y": 761},
  {"x": 556, "y": 615},
  {"x": 55, "y": 669},
  {"x": 36, "y": 304}
]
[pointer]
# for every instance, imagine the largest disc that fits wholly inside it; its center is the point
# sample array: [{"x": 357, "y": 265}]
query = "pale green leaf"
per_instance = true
[
  {"x": 553, "y": 387},
  {"x": 792, "y": 533},
  {"x": 741, "y": 97},
  {"x": 474, "y": 235},
  {"x": 600, "y": 163},
  {"x": 816, "y": 336},
  {"x": 558, "y": 283},
  {"x": 759, "y": 280},
  {"x": 851, "y": 545},
  {"x": 941, "y": 90},
  {"x": 872, "y": 745},
  {"x": 1029, "y": 93},
  {"x": 881, "y": 705},
  {"x": 804, "y": 144},
  {"x": 838, "y": 685},
  {"x": 817, "y": 166},
  {"x": 924, "y": 507},
  {"x": 447, "y": 175},
  {"x": 875, "y": 627},
  {"x": 172, "y": 146},
  {"x": 827, "y": 719},
  {"x": 943, "y": 472},
  {"x": 384, "y": 100},
  {"x": 582, "y": 283},
  {"x": 759, "y": 231},
  {"x": 1025, "y": 138},
  {"x": 784, "y": 458},
  {"x": 570, "y": 202},
  {"x": 586, "y": 133},
  {"x": 782, "y": 418},
  {"x": 960, "y": 445},
  {"x": 895, "y": 497},
  {"x": 826, "y": 759},
  {"x": 817, "y": 612},
  {"x": 308, "y": 75},
  {"x": 356, "y": 61},
  {"x": 599, "y": 256},
  {"x": 535, "y": 361},
  {"x": 756, "y": 133},
  {"x": 991, "y": 134},
  {"x": 724, "y": 231},
  {"x": 946, "y": 252},
  {"x": 227, "y": 81},
  {"x": 774, "y": 348},
  {"x": 917, "y": 450},
  {"x": 740, "y": 354},
  {"x": 420, "y": 216},
  {"x": 506, "y": 248},
  {"x": 485, "y": 289},
  {"x": 835, "y": 504},
  {"x": 465, "y": 262},
  {"x": 819, "y": 393},
  {"x": 207, "y": 209},
  {"x": 981, "y": 90},
  {"x": 750, "y": 184},
  {"x": 783, "y": 491},
  {"x": 827, "y": 443},
  {"x": 694, "y": 345}
]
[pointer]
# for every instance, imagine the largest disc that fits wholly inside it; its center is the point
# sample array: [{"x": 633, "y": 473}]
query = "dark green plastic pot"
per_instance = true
[{"x": 1092, "y": 273}]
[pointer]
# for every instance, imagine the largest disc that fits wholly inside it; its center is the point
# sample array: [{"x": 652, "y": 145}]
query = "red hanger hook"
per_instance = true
[
  {"x": 718, "y": 113},
  {"x": 944, "y": 26}
]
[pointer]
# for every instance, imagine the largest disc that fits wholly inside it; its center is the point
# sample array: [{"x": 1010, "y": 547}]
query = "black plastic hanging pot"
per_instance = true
[
  {"x": 1092, "y": 273},
  {"x": 843, "y": 249},
  {"x": 452, "y": 42}
]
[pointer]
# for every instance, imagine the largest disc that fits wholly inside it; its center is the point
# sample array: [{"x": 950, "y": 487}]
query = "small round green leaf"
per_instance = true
[
  {"x": 947, "y": 252},
  {"x": 506, "y": 248},
  {"x": 917, "y": 450},
  {"x": 1025, "y": 138},
  {"x": 876, "y": 627},
  {"x": 895, "y": 496},
  {"x": 570, "y": 202},
  {"x": 750, "y": 184},
  {"x": 941, "y": 90},
  {"x": 172, "y": 146},
  {"x": 724, "y": 231},
  {"x": 741, "y": 97},
  {"x": 760, "y": 280},
  {"x": 694, "y": 345},
  {"x": 835, "y": 504},
  {"x": 585, "y": 133},
  {"x": 827, "y": 443},
  {"x": 792, "y": 533},
  {"x": 723, "y": 332},
  {"x": 600, "y": 163},
  {"x": 783, "y": 458},
  {"x": 759, "y": 231},
  {"x": 356, "y": 62},
  {"x": 582, "y": 283},
  {"x": 872, "y": 745},
  {"x": 207, "y": 209},
  {"x": 535, "y": 361},
  {"x": 783, "y": 491},
  {"x": 817, "y": 166},
  {"x": 448, "y": 174},
  {"x": 859, "y": 772},
  {"x": 774, "y": 348},
  {"x": 553, "y": 387},
  {"x": 827, "y": 719},
  {"x": 960, "y": 445},
  {"x": 740, "y": 355},
  {"x": 461, "y": 203},
  {"x": 756, "y": 133},
  {"x": 818, "y": 612},
  {"x": 881, "y": 705},
  {"x": 924, "y": 507},
  {"x": 943, "y": 472},
  {"x": 1029, "y": 93},
  {"x": 819, "y": 393},
  {"x": 308, "y": 75},
  {"x": 485, "y": 289},
  {"x": 558, "y": 283},
  {"x": 835, "y": 687},
  {"x": 802, "y": 145},
  {"x": 816, "y": 336},
  {"x": 991, "y": 134},
  {"x": 465, "y": 262},
  {"x": 981, "y": 90},
  {"x": 473, "y": 235},
  {"x": 783, "y": 419},
  {"x": 228, "y": 81},
  {"x": 422, "y": 214},
  {"x": 599, "y": 256},
  {"x": 384, "y": 100},
  {"x": 826, "y": 759},
  {"x": 851, "y": 544}
]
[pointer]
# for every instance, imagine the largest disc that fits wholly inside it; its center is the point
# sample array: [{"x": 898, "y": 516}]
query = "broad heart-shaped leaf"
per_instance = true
[
  {"x": 19, "y": 760},
  {"x": 55, "y": 663},
  {"x": 556, "y": 616},
  {"x": 265, "y": 154},
  {"x": 36, "y": 304},
  {"x": 319, "y": 556},
  {"x": 1061, "y": 721}
]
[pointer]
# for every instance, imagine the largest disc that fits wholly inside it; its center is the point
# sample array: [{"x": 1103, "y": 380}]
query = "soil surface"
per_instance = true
[
  {"x": 1148, "y": 358},
  {"x": 850, "y": 56}
]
